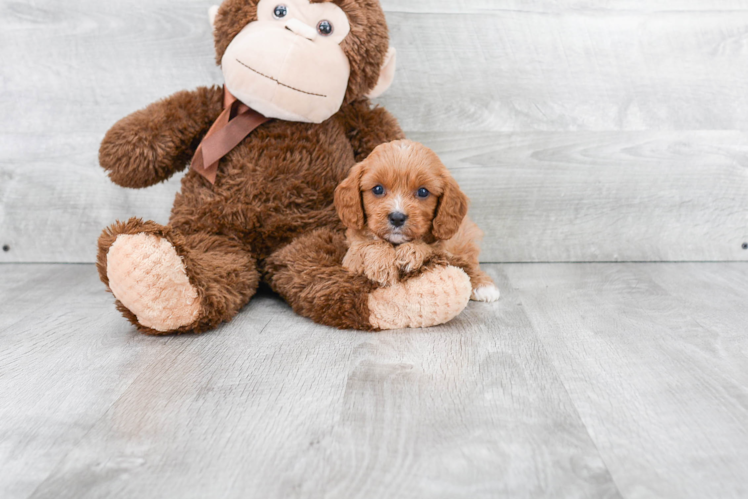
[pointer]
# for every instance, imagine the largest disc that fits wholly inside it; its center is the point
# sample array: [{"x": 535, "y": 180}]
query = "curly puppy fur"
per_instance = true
[
  {"x": 270, "y": 214},
  {"x": 402, "y": 206}
]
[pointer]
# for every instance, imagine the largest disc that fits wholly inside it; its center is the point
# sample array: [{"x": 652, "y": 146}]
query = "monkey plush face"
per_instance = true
[{"x": 296, "y": 60}]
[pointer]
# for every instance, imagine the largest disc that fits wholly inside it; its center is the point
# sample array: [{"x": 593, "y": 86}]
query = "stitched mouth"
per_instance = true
[{"x": 278, "y": 82}]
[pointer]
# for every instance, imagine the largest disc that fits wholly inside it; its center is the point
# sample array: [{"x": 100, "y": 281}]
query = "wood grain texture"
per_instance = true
[
  {"x": 585, "y": 380},
  {"x": 22, "y": 286},
  {"x": 604, "y": 196},
  {"x": 69, "y": 72},
  {"x": 564, "y": 68},
  {"x": 543, "y": 196},
  {"x": 477, "y": 66},
  {"x": 634, "y": 6},
  {"x": 272, "y": 405},
  {"x": 65, "y": 359},
  {"x": 511, "y": 67},
  {"x": 715, "y": 297},
  {"x": 653, "y": 357}
]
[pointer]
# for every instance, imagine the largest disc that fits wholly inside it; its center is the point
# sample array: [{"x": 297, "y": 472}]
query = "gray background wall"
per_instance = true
[{"x": 582, "y": 130}]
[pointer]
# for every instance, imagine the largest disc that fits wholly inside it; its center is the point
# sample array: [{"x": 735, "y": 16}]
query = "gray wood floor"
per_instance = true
[{"x": 601, "y": 380}]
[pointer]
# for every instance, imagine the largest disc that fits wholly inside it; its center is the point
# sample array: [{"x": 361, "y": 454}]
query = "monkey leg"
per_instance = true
[
  {"x": 308, "y": 274},
  {"x": 168, "y": 282}
]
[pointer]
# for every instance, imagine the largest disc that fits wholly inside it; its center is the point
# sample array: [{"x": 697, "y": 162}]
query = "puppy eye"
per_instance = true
[
  {"x": 280, "y": 11},
  {"x": 325, "y": 28},
  {"x": 423, "y": 193},
  {"x": 378, "y": 190}
]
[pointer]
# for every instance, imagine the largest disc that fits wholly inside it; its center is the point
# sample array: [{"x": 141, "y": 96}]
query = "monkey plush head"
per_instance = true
[{"x": 301, "y": 60}]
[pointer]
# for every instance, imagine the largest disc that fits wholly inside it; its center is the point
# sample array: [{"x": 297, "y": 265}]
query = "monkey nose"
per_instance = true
[
  {"x": 397, "y": 219},
  {"x": 301, "y": 29}
]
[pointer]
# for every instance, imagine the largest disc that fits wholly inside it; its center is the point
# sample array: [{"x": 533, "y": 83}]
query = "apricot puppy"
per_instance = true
[{"x": 401, "y": 205}]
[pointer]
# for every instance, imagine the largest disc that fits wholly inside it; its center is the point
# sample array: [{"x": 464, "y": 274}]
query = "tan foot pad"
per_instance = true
[
  {"x": 433, "y": 298},
  {"x": 149, "y": 278}
]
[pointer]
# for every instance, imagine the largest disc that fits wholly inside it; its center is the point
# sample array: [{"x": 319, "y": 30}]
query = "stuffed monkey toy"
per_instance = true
[{"x": 266, "y": 153}]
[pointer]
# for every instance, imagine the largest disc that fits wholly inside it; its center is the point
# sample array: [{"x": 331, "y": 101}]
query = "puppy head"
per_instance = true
[{"x": 402, "y": 192}]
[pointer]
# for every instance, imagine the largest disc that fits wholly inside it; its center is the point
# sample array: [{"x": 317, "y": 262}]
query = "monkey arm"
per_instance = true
[
  {"x": 367, "y": 127},
  {"x": 152, "y": 144}
]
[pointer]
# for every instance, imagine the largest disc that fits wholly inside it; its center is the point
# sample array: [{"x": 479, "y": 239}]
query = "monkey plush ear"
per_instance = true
[
  {"x": 452, "y": 209},
  {"x": 212, "y": 13},
  {"x": 387, "y": 75},
  {"x": 348, "y": 200}
]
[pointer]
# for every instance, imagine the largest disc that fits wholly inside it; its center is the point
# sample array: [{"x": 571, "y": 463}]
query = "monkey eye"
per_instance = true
[
  {"x": 378, "y": 190},
  {"x": 280, "y": 11},
  {"x": 423, "y": 193},
  {"x": 325, "y": 28}
]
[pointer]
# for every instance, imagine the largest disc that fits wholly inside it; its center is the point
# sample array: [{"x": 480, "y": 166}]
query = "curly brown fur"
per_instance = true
[
  {"x": 368, "y": 127},
  {"x": 152, "y": 144},
  {"x": 220, "y": 268},
  {"x": 389, "y": 182},
  {"x": 276, "y": 185},
  {"x": 308, "y": 274}
]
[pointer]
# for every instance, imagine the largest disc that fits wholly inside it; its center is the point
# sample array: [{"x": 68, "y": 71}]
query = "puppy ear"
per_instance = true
[
  {"x": 452, "y": 209},
  {"x": 348, "y": 199}
]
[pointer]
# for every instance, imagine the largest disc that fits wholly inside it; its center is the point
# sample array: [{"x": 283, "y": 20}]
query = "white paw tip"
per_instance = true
[{"x": 489, "y": 293}]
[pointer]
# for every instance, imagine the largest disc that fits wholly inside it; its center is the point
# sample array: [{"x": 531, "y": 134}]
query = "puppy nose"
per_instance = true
[{"x": 397, "y": 219}]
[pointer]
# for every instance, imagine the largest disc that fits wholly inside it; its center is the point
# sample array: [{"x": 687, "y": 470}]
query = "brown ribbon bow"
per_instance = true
[{"x": 233, "y": 125}]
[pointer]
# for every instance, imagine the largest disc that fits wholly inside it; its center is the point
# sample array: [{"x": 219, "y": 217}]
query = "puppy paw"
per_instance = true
[
  {"x": 486, "y": 293},
  {"x": 411, "y": 256},
  {"x": 385, "y": 275}
]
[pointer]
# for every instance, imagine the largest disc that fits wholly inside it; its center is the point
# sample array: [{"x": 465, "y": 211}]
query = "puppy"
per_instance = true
[{"x": 402, "y": 206}]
